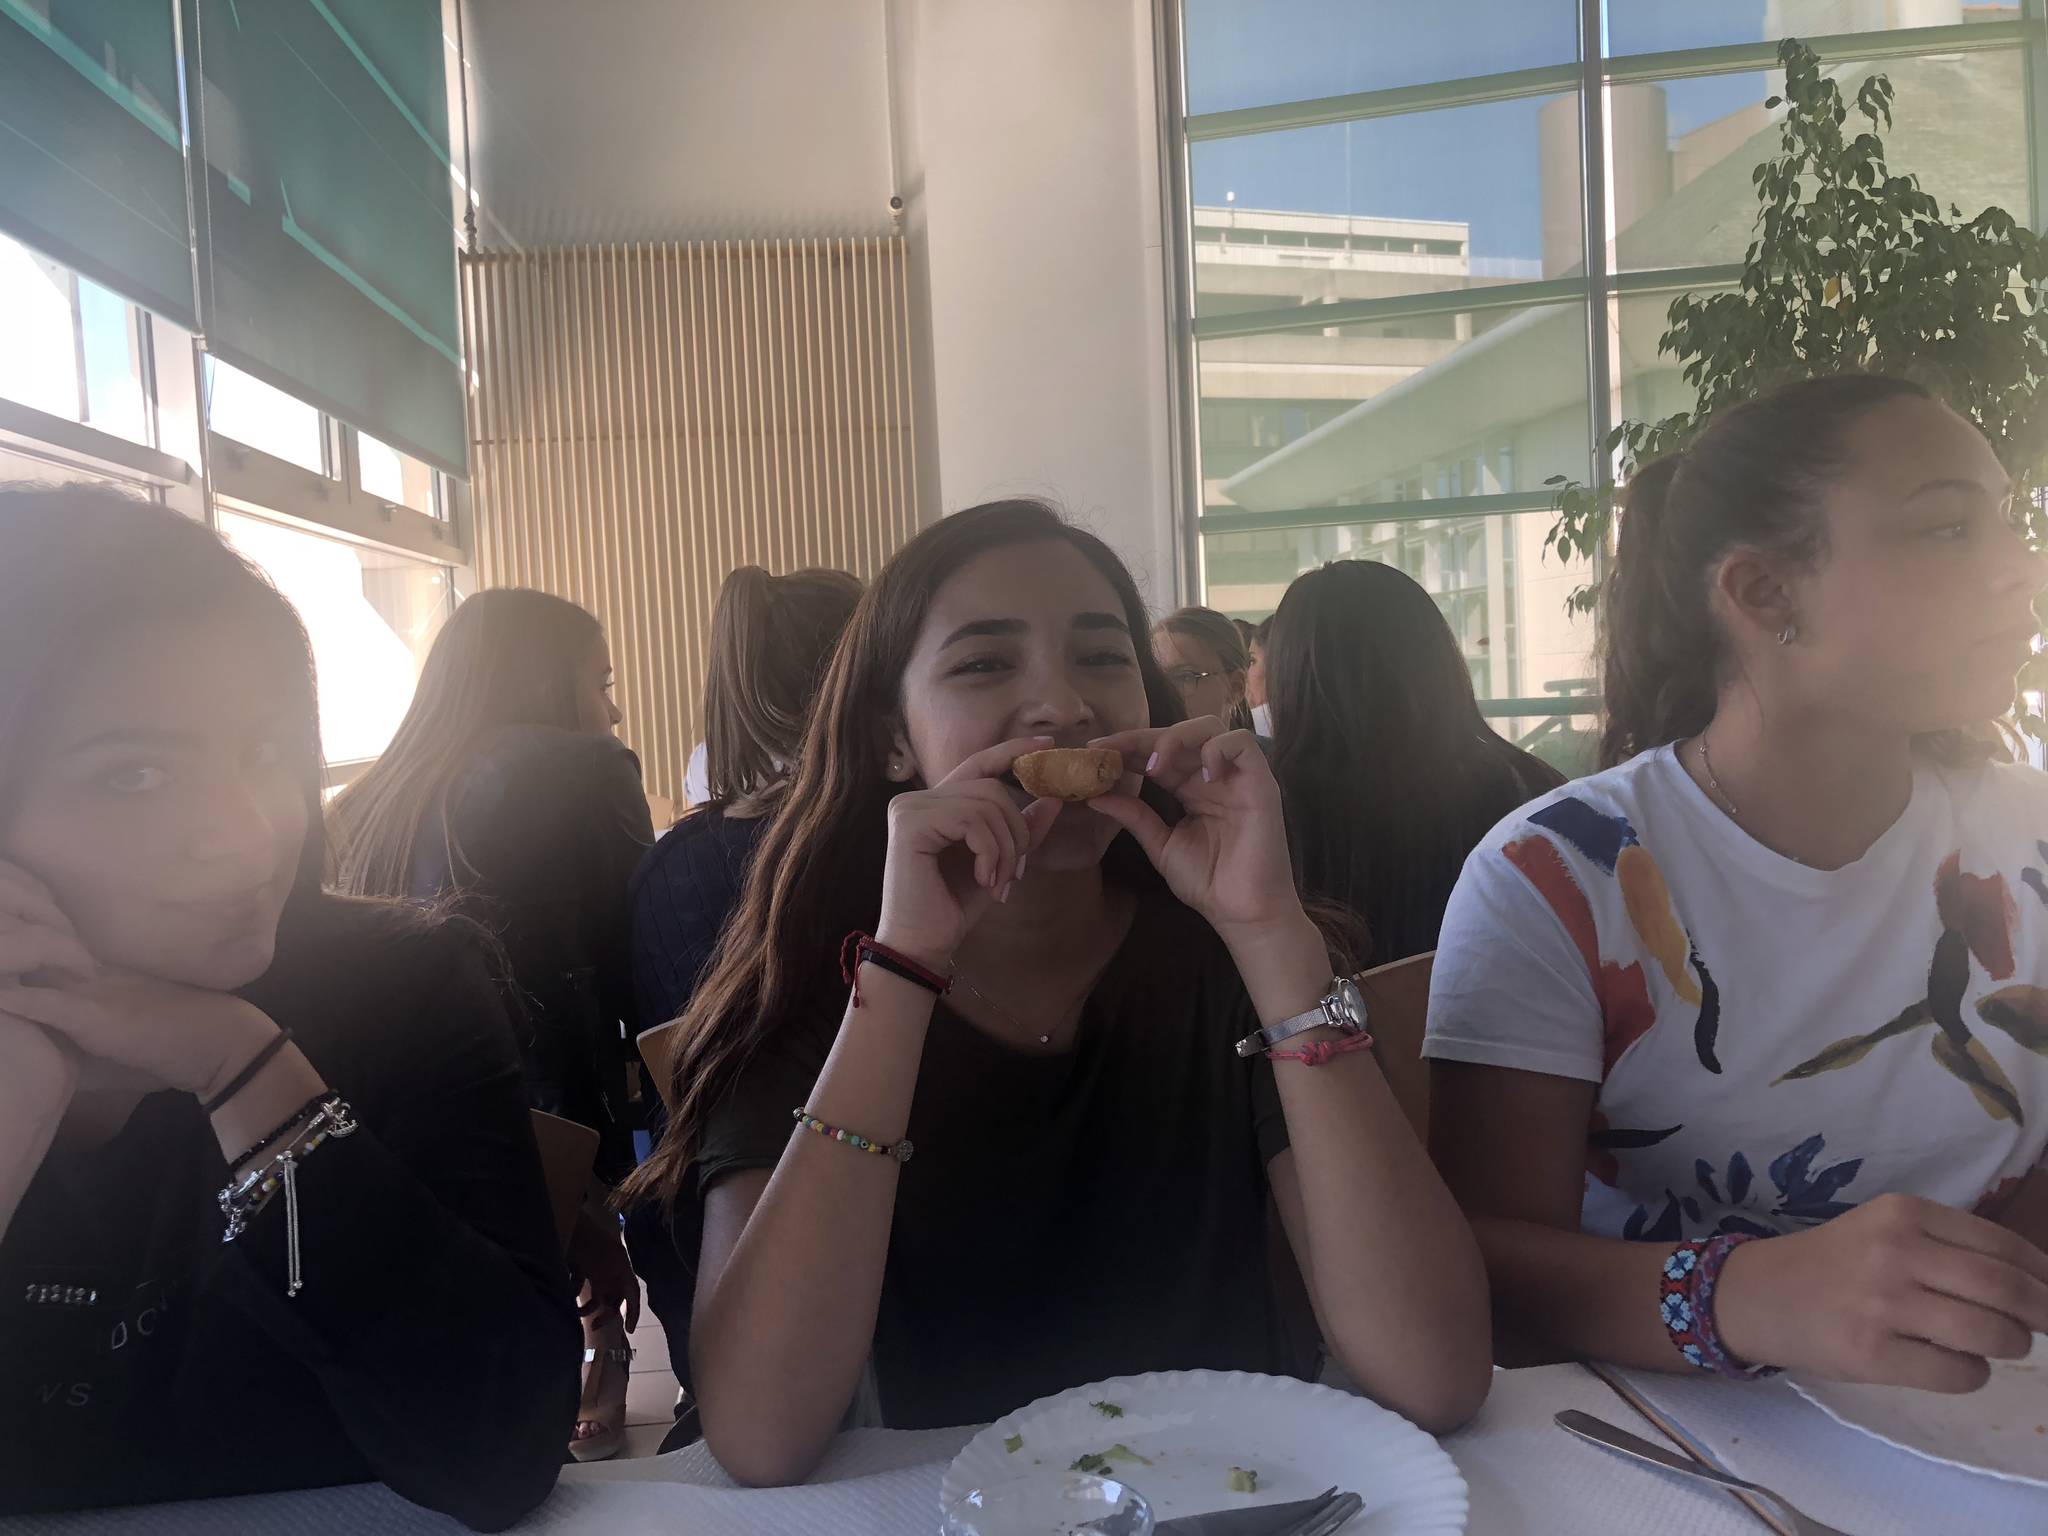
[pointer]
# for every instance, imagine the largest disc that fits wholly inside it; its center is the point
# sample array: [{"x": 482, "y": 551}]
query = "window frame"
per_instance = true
[{"x": 1599, "y": 289}]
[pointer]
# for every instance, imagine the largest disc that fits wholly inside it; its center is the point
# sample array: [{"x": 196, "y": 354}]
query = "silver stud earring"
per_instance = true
[{"x": 1788, "y": 634}]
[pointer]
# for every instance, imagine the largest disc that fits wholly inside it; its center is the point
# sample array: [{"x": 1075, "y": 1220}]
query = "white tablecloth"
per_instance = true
[
  {"x": 1527, "y": 1478},
  {"x": 1769, "y": 1434}
]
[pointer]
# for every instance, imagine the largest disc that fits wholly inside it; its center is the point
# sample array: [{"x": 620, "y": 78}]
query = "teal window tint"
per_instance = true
[
  {"x": 330, "y": 213},
  {"x": 1249, "y": 55},
  {"x": 92, "y": 167}
]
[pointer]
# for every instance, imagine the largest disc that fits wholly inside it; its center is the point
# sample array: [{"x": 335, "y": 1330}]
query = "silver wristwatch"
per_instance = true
[{"x": 1343, "y": 1009}]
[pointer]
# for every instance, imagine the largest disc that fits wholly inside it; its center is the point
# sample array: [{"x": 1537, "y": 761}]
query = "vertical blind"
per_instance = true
[
  {"x": 648, "y": 417},
  {"x": 329, "y": 212},
  {"x": 321, "y": 180},
  {"x": 92, "y": 163}
]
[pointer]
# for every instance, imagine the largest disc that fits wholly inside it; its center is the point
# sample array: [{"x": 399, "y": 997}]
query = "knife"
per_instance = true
[{"x": 1262, "y": 1520}]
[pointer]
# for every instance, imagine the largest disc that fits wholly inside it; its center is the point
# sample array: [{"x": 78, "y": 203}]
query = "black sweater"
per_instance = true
[{"x": 434, "y": 1345}]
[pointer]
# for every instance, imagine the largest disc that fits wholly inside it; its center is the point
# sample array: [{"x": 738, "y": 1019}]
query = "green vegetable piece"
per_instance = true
[
  {"x": 1013, "y": 1443},
  {"x": 1243, "y": 1480},
  {"x": 1091, "y": 1463},
  {"x": 1108, "y": 1410},
  {"x": 1122, "y": 1452}
]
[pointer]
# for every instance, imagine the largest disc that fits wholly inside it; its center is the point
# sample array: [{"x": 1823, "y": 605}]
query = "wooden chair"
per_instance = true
[
  {"x": 1397, "y": 1000},
  {"x": 657, "y": 1049},
  {"x": 568, "y": 1153}
]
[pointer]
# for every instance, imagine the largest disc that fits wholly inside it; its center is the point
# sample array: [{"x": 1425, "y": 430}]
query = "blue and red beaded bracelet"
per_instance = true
[{"x": 1685, "y": 1302}]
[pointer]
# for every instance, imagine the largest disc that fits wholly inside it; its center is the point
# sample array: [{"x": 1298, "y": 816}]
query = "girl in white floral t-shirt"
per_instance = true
[{"x": 1741, "y": 1046}]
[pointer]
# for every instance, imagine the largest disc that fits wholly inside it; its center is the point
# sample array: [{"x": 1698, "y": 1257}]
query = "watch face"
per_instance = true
[{"x": 1347, "y": 1005}]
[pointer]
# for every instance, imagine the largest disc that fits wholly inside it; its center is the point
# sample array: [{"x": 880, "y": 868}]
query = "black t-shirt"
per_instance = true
[
  {"x": 1066, "y": 1217},
  {"x": 547, "y": 826},
  {"x": 434, "y": 1345}
]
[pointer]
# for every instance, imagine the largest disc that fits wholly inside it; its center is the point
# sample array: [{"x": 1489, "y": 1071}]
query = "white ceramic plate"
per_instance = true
[
  {"x": 1194, "y": 1426},
  {"x": 2001, "y": 1429}
]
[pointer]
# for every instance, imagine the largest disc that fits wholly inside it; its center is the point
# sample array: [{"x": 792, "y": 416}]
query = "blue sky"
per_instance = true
[{"x": 1476, "y": 165}]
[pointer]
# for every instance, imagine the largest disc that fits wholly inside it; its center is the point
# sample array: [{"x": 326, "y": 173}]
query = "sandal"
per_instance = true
[{"x": 600, "y": 1431}]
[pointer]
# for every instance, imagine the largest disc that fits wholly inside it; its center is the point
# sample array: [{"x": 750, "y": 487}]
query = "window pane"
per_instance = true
[
  {"x": 1418, "y": 203},
  {"x": 371, "y": 616},
  {"x": 1448, "y": 405},
  {"x": 1684, "y": 149},
  {"x": 1246, "y": 55},
  {"x": 113, "y": 364},
  {"x": 396, "y": 477},
  {"x": 1505, "y": 602},
  {"x": 1652, "y": 385},
  {"x": 250, "y": 411},
  {"x": 178, "y": 425},
  {"x": 39, "y": 354},
  {"x": 1651, "y": 26},
  {"x": 1569, "y": 743}
]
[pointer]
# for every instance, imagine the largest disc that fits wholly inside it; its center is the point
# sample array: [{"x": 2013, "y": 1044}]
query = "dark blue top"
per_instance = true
[{"x": 682, "y": 893}]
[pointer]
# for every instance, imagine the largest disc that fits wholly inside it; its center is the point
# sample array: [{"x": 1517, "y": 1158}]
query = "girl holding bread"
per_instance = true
[{"x": 1067, "y": 1004}]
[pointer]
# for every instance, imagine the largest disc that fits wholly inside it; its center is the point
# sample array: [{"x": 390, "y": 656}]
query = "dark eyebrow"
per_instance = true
[
  {"x": 1101, "y": 621},
  {"x": 984, "y": 627},
  {"x": 1960, "y": 483},
  {"x": 143, "y": 740}
]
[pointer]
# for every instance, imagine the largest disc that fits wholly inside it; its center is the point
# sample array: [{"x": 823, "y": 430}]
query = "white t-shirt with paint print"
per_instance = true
[{"x": 1773, "y": 1044}]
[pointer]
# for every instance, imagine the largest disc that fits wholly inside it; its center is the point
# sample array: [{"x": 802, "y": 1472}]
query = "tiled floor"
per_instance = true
[{"x": 651, "y": 1391}]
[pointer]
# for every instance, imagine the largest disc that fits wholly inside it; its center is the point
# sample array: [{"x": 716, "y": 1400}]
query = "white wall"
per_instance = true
[
  {"x": 1028, "y": 140},
  {"x": 1022, "y": 135},
  {"x": 617, "y": 120}
]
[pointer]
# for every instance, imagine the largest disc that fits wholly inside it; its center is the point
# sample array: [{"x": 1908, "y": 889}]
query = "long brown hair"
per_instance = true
[
  {"x": 817, "y": 871},
  {"x": 508, "y": 657},
  {"x": 1205, "y": 626},
  {"x": 1752, "y": 480},
  {"x": 771, "y": 638},
  {"x": 1389, "y": 773}
]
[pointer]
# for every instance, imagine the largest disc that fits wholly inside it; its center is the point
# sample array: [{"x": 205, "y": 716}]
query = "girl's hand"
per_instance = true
[
  {"x": 954, "y": 849},
  {"x": 1227, "y": 858},
  {"x": 1901, "y": 1291},
  {"x": 37, "y": 940},
  {"x": 176, "y": 1037}
]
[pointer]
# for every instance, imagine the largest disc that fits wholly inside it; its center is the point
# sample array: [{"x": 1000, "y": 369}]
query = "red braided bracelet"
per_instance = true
[
  {"x": 859, "y": 949},
  {"x": 1319, "y": 1053}
]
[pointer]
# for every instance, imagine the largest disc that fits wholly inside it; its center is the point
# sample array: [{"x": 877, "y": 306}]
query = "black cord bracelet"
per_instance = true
[
  {"x": 242, "y": 1078},
  {"x": 290, "y": 1122}
]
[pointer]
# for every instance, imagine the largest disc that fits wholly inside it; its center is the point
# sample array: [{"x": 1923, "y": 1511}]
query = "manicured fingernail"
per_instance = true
[
  {"x": 1021, "y": 862},
  {"x": 1152, "y": 762},
  {"x": 1004, "y": 893},
  {"x": 1207, "y": 776}
]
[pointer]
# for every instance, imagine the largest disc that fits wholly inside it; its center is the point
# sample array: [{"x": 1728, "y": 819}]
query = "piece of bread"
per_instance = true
[{"x": 1069, "y": 773}]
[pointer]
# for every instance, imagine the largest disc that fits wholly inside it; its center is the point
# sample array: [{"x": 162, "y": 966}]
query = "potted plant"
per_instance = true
[{"x": 1852, "y": 267}]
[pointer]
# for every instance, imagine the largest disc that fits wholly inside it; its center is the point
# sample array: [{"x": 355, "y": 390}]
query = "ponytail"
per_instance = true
[
  {"x": 1752, "y": 480},
  {"x": 771, "y": 637}
]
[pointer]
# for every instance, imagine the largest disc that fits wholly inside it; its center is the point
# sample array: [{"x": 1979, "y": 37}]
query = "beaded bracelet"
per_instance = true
[
  {"x": 1320, "y": 1053},
  {"x": 289, "y": 1123},
  {"x": 900, "y": 1150},
  {"x": 243, "y": 1198},
  {"x": 1685, "y": 1302},
  {"x": 858, "y": 949}
]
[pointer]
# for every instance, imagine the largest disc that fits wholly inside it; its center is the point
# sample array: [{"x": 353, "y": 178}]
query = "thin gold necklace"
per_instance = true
[
  {"x": 1008, "y": 1017},
  {"x": 1721, "y": 795}
]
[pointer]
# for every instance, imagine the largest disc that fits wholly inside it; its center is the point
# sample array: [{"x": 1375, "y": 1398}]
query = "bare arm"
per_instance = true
[
  {"x": 1391, "y": 1267},
  {"x": 1901, "y": 1290},
  {"x": 36, "y": 1080},
  {"x": 789, "y": 1279},
  {"x": 1512, "y": 1147}
]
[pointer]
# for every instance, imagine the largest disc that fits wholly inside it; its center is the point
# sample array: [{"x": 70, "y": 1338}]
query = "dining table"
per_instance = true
[{"x": 1525, "y": 1477}]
